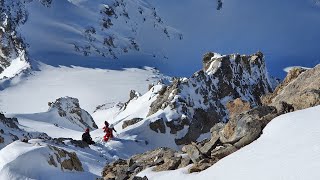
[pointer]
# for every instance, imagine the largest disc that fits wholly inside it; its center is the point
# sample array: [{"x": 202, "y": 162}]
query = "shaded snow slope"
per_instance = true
[
  {"x": 100, "y": 28},
  {"x": 92, "y": 87},
  {"x": 288, "y": 149}
]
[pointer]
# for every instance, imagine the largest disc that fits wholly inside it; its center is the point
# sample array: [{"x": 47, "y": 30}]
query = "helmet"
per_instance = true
[{"x": 87, "y": 130}]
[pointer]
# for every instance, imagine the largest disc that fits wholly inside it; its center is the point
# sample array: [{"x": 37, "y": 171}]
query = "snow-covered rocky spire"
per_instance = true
[
  {"x": 69, "y": 110},
  {"x": 189, "y": 107}
]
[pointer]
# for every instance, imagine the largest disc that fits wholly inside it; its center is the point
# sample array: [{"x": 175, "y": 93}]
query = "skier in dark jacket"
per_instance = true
[{"x": 87, "y": 138}]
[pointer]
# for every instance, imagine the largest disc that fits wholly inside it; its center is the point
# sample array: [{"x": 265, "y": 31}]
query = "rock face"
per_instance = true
[
  {"x": 247, "y": 127},
  {"x": 236, "y": 107},
  {"x": 299, "y": 90},
  {"x": 69, "y": 108},
  {"x": 163, "y": 158},
  {"x": 10, "y": 131},
  {"x": 201, "y": 101},
  {"x": 64, "y": 159},
  {"x": 12, "y": 47},
  {"x": 131, "y": 122}
]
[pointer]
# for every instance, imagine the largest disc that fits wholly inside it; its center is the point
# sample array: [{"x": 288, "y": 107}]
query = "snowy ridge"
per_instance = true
[{"x": 189, "y": 107}]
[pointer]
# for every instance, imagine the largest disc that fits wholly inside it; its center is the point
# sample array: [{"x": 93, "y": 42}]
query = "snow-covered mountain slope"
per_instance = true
[
  {"x": 34, "y": 30},
  {"x": 288, "y": 149},
  {"x": 66, "y": 32},
  {"x": 189, "y": 107},
  {"x": 13, "y": 57},
  {"x": 95, "y": 28},
  {"x": 93, "y": 87}
]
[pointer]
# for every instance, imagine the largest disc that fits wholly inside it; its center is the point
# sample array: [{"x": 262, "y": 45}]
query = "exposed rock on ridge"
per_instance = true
[
  {"x": 201, "y": 100},
  {"x": 12, "y": 47},
  {"x": 69, "y": 108},
  {"x": 300, "y": 90}
]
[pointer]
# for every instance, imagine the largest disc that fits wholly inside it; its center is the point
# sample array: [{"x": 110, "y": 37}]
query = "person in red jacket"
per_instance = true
[{"x": 108, "y": 130}]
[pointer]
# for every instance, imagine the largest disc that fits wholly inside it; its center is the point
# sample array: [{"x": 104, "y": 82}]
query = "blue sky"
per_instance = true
[{"x": 286, "y": 31}]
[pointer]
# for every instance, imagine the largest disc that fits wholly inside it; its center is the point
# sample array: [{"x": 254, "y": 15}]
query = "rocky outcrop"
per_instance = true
[
  {"x": 65, "y": 141},
  {"x": 10, "y": 131},
  {"x": 69, "y": 108},
  {"x": 247, "y": 127},
  {"x": 64, "y": 159},
  {"x": 236, "y": 107},
  {"x": 203, "y": 100},
  {"x": 12, "y": 47},
  {"x": 133, "y": 121},
  {"x": 163, "y": 159},
  {"x": 299, "y": 90},
  {"x": 158, "y": 126}
]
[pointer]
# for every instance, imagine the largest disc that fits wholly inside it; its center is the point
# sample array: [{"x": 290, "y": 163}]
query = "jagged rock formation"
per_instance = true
[
  {"x": 245, "y": 126},
  {"x": 10, "y": 131},
  {"x": 200, "y": 101},
  {"x": 299, "y": 90},
  {"x": 12, "y": 47},
  {"x": 69, "y": 108}
]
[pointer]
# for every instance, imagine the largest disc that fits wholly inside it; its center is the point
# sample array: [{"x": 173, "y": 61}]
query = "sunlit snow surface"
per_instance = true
[
  {"x": 289, "y": 148},
  {"x": 92, "y": 87}
]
